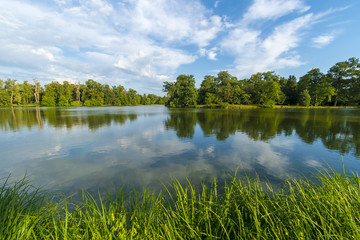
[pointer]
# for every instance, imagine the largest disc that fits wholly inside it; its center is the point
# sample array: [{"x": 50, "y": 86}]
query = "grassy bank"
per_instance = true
[
  {"x": 245, "y": 209},
  {"x": 253, "y": 106}
]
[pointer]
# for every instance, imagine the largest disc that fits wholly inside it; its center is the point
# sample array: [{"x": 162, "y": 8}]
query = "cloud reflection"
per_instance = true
[{"x": 144, "y": 146}]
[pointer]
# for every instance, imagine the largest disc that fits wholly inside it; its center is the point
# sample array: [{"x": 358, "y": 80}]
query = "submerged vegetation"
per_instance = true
[{"x": 242, "y": 208}]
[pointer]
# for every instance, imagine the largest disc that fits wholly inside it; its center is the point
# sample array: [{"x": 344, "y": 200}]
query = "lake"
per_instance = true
[{"x": 103, "y": 147}]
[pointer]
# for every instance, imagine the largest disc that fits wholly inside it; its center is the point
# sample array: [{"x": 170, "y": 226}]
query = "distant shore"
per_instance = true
[{"x": 235, "y": 106}]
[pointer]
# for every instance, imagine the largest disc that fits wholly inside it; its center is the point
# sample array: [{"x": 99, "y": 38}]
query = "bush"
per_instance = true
[
  {"x": 48, "y": 101},
  {"x": 76, "y": 104},
  {"x": 224, "y": 105}
]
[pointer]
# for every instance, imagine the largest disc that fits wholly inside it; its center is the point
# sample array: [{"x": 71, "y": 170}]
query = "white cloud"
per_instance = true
[
  {"x": 273, "y": 9},
  {"x": 254, "y": 51},
  {"x": 60, "y": 2},
  {"x": 140, "y": 40},
  {"x": 172, "y": 21},
  {"x": 314, "y": 163},
  {"x": 44, "y": 53},
  {"x": 322, "y": 40},
  {"x": 151, "y": 59},
  {"x": 210, "y": 53},
  {"x": 98, "y": 7}
]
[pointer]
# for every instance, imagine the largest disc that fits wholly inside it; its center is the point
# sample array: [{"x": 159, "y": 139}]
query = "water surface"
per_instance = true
[{"x": 91, "y": 148}]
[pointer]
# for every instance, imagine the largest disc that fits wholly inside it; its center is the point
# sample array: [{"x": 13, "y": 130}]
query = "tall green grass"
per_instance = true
[{"x": 247, "y": 208}]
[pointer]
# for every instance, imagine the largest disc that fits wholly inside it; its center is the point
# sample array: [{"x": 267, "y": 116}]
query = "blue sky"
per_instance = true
[{"x": 142, "y": 43}]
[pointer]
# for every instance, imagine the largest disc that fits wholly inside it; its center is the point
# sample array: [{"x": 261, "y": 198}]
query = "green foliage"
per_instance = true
[
  {"x": 207, "y": 91},
  {"x": 318, "y": 85},
  {"x": 4, "y": 98},
  {"x": 94, "y": 95},
  {"x": 344, "y": 77},
  {"x": 246, "y": 208},
  {"x": 27, "y": 94},
  {"x": 66, "y": 94},
  {"x": 224, "y": 105},
  {"x": 211, "y": 98},
  {"x": 290, "y": 89},
  {"x": 76, "y": 104},
  {"x": 268, "y": 91},
  {"x": 48, "y": 101},
  {"x": 182, "y": 92},
  {"x": 93, "y": 102},
  {"x": 132, "y": 97},
  {"x": 304, "y": 98},
  {"x": 109, "y": 95},
  {"x": 223, "y": 88},
  {"x": 63, "y": 102}
]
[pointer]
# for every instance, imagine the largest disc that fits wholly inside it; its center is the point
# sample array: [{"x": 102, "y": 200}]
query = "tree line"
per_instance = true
[
  {"x": 91, "y": 93},
  {"x": 339, "y": 86}
]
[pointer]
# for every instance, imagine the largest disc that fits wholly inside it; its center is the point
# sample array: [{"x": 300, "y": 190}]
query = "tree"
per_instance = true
[
  {"x": 78, "y": 93},
  {"x": 239, "y": 96},
  {"x": 133, "y": 98},
  {"x": 225, "y": 86},
  {"x": 4, "y": 98},
  {"x": 145, "y": 100},
  {"x": 154, "y": 99},
  {"x": 207, "y": 91},
  {"x": 50, "y": 97},
  {"x": 63, "y": 101},
  {"x": 304, "y": 98},
  {"x": 10, "y": 88},
  {"x": 120, "y": 94},
  {"x": 26, "y": 90},
  {"x": 318, "y": 85},
  {"x": 65, "y": 92},
  {"x": 48, "y": 101},
  {"x": 343, "y": 75},
  {"x": 17, "y": 94},
  {"x": 37, "y": 91},
  {"x": 94, "y": 95},
  {"x": 289, "y": 87},
  {"x": 109, "y": 95},
  {"x": 265, "y": 89},
  {"x": 270, "y": 94},
  {"x": 182, "y": 92}
]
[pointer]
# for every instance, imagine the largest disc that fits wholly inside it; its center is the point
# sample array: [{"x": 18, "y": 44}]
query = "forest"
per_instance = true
[
  {"x": 340, "y": 86},
  {"x": 91, "y": 93}
]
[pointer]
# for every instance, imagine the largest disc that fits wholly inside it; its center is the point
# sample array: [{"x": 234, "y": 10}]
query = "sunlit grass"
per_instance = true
[
  {"x": 242, "y": 208},
  {"x": 312, "y": 107}
]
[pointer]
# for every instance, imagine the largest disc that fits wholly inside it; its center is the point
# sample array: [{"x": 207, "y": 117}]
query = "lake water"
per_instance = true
[{"x": 92, "y": 148}]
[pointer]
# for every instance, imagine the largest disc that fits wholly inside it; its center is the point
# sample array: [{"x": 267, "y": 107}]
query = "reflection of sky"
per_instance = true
[{"x": 142, "y": 152}]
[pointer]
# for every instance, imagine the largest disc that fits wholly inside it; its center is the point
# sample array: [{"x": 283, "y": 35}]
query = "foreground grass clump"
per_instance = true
[{"x": 245, "y": 209}]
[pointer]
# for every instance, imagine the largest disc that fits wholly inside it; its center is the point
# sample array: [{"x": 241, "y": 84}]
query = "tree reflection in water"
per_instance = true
[{"x": 338, "y": 129}]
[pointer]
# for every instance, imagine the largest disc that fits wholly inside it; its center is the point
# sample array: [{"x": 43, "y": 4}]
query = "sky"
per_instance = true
[{"x": 142, "y": 43}]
